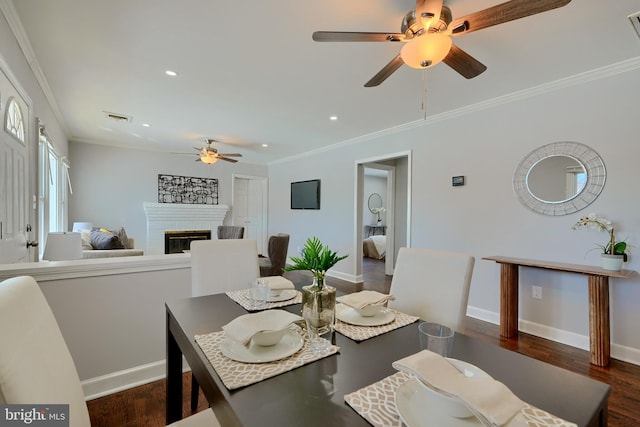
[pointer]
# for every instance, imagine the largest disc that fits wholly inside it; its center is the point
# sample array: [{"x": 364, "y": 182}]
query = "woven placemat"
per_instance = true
[
  {"x": 376, "y": 403},
  {"x": 243, "y": 298},
  {"x": 238, "y": 374},
  {"x": 361, "y": 333}
]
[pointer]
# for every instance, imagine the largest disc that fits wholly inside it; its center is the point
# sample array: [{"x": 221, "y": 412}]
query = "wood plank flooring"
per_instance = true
[{"x": 145, "y": 405}]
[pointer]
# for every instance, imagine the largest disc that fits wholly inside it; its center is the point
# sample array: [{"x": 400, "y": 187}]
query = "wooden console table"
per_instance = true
[{"x": 598, "y": 279}]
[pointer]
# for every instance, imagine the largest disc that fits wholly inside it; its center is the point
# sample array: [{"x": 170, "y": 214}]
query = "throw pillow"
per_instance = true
[
  {"x": 85, "y": 235},
  {"x": 100, "y": 240},
  {"x": 122, "y": 235}
]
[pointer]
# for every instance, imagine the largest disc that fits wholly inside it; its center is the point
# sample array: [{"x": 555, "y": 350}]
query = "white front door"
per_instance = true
[
  {"x": 14, "y": 170},
  {"x": 249, "y": 208}
]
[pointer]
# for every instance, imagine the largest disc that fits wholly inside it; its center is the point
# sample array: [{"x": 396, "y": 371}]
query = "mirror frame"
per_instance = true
[
  {"x": 369, "y": 201},
  {"x": 589, "y": 159}
]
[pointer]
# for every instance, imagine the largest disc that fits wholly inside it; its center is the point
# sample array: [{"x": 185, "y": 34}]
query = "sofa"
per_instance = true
[{"x": 106, "y": 243}]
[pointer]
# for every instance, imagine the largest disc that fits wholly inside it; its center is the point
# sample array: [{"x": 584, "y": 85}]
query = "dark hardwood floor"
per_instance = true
[{"x": 145, "y": 405}]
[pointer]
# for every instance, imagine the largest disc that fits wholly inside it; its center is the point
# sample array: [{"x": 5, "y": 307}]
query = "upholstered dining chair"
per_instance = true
[
  {"x": 230, "y": 232},
  {"x": 36, "y": 366},
  {"x": 219, "y": 266},
  {"x": 433, "y": 285},
  {"x": 277, "y": 256}
]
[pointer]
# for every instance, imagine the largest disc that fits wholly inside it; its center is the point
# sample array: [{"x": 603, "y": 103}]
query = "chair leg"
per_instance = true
[{"x": 195, "y": 393}]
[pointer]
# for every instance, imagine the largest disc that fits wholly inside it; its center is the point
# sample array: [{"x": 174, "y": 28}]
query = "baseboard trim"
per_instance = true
[
  {"x": 123, "y": 380},
  {"x": 618, "y": 352}
]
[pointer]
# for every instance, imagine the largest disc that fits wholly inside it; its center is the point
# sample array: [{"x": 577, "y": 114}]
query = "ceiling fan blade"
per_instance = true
[
  {"x": 230, "y": 154},
  {"x": 386, "y": 71},
  {"x": 505, "y": 12},
  {"x": 429, "y": 10},
  {"x": 463, "y": 63},
  {"x": 355, "y": 36},
  {"x": 227, "y": 159}
]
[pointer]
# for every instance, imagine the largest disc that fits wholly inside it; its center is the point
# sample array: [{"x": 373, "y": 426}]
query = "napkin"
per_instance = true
[
  {"x": 485, "y": 396},
  {"x": 244, "y": 327},
  {"x": 364, "y": 298},
  {"x": 277, "y": 282}
]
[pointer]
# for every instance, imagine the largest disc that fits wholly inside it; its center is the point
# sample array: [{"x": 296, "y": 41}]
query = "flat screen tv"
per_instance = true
[{"x": 305, "y": 194}]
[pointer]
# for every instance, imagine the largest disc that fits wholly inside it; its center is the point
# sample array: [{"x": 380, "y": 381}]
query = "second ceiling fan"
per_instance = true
[{"x": 428, "y": 30}]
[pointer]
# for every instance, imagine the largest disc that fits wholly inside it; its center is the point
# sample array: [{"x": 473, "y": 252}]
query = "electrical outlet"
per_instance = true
[{"x": 536, "y": 292}]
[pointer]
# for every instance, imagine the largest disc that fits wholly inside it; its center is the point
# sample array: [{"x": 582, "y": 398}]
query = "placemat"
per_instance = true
[
  {"x": 242, "y": 297},
  {"x": 376, "y": 403},
  {"x": 237, "y": 374},
  {"x": 361, "y": 333}
]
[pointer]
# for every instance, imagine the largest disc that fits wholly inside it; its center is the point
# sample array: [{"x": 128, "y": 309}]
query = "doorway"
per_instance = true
[
  {"x": 392, "y": 182},
  {"x": 249, "y": 208}
]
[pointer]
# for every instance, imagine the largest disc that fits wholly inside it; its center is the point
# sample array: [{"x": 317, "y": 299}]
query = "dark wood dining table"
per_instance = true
[{"x": 313, "y": 394}]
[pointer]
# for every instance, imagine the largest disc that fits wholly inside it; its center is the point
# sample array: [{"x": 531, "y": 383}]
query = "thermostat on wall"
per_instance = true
[{"x": 457, "y": 181}]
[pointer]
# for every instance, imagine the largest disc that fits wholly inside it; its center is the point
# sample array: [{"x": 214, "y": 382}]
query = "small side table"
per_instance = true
[{"x": 372, "y": 229}]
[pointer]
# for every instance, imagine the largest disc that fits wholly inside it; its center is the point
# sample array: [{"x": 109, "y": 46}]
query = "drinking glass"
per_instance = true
[
  {"x": 317, "y": 342},
  {"x": 259, "y": 292},
  {"x": 436, "y": 337}
]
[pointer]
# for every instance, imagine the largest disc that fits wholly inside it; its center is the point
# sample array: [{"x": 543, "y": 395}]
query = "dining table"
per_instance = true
[{"x": 314, "y": 394}]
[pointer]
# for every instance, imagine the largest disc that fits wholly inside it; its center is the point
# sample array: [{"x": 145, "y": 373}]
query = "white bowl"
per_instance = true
[
  {"x": 268, "y": 338},
  {"x": 275, "y": 292},
  {"x": 369, "y": 310},
  {"x": 453, "y": 406}
]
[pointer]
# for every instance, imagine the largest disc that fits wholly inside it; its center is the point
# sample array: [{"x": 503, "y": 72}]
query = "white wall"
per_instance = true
[
  {"x": 484, "y": 217},
  {"x": 111, "y": 183}
]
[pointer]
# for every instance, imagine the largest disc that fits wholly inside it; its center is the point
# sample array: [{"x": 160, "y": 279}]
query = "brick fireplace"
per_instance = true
[{"x": 163, "y": 217}]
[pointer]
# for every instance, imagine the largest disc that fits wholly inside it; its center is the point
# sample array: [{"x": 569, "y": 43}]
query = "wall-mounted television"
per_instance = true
[{"x": 305, "y": 194}]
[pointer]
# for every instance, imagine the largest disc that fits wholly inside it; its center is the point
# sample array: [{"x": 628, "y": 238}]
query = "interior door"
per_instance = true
[
  {"x": 14, "y": 171},
  {"x": 249, "y": 208}
]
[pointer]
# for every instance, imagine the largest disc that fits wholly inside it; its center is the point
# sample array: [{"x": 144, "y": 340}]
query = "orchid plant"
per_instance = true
[
  {"x": 378, "y": 211},
  {"x": 594, "y": 222}
]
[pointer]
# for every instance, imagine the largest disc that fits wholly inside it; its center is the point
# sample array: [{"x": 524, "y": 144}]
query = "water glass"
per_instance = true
[
  {"x": 317, "y": 342},
  {"x": 436, "y": 338},
  {"x": 259, "y": 293}
]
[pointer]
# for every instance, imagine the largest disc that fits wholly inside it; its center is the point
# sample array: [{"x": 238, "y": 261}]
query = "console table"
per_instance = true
[{"x": 598, "y": 281}]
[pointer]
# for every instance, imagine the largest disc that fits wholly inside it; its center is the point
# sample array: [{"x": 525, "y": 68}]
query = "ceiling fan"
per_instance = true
[
  {"x": 210, "y": 155},
  {"x": 428, "y": 30}
]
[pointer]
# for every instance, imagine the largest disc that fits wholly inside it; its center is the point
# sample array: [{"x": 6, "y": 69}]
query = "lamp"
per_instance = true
[
  {"x": 426, "y": 51},
  {"x": 63, "y": 246},
  {"x": 208, "y": 158},
  {"x": 79, "y": 226}
]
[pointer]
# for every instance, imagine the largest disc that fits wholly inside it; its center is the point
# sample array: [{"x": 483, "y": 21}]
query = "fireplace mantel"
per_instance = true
[{"x": 163, "y": 217}]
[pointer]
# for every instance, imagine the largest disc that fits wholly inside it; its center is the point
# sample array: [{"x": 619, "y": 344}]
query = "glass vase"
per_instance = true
[{"x": 319, "y": 306}]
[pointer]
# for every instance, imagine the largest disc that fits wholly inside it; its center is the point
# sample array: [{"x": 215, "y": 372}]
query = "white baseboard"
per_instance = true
[
  {"x": 619, "y": 352},
  {"x": 123, "y": 380}
]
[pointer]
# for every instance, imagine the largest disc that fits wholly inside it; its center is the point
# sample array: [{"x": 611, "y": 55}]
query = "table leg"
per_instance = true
[
  {"x": 508, "y": 300},
  {"x": 174, "y": 378},
  {"x": 599, "y": 328}
]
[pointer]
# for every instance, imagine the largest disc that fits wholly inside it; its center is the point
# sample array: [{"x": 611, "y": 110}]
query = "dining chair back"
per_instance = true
[
  {"x": 277, "y": 249},
  {"x": 223, "y": 265},
  {"x": 36, "y": 367},
  {"x": 230, "y": 232},
  {"x": 433, "y": 285}
]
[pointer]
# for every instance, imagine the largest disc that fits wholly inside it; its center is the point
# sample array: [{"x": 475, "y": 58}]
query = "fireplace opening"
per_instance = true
[{"x": 176, "y": 242}]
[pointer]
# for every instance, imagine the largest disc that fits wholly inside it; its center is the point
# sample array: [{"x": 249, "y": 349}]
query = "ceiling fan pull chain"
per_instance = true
[{"x": 424, "y": 93}]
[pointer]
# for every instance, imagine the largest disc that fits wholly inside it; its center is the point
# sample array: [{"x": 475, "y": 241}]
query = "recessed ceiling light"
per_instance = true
[
  {"x": 333, "y": 118},
  {"x": 171, "y": 73},
  {"x": 265, "y": 145},
  {"x": 146, "y": 125}
]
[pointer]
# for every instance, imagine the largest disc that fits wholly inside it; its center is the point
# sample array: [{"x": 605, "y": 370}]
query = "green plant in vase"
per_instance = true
[{"x": 318, "y": 299}]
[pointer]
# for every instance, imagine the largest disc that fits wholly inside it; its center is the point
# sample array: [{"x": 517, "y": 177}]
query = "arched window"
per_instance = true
[{"x": 13, "y": 122}]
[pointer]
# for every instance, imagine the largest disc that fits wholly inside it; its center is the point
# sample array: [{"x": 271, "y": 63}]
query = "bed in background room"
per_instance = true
[{"x": 374, "y": 247}]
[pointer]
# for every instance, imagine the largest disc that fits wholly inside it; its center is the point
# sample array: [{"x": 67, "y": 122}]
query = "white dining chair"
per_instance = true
[
  {"x": 36, "y": 366},
  {"x": 433, "y": 285},
  {"x": 223, "y": 265},
  {"x": 219, "y": 266}
]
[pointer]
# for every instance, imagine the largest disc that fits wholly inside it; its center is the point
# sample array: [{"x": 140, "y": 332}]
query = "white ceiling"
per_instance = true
[{"x": 249, "y": 73}]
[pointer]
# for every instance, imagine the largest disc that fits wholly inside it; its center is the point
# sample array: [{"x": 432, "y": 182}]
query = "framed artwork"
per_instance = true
[{"x": 187, "y": 190}]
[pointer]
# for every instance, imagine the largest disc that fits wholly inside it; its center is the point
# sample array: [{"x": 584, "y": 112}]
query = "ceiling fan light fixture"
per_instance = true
[
  {"x": 208, "y": 159},
  {"x": 426, "y": 51}
]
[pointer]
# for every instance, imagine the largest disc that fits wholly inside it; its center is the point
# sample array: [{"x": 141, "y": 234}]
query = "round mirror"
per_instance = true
[
  {"x": 375, "y": 202},
  {"x": 556, "y": 179},
  {"x": 559, "y": 178}
]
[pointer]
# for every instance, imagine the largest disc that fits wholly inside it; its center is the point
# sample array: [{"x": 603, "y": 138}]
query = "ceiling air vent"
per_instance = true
[
  {"x": 118, "y": 117},
  {"x": 635, "y": 21}
]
